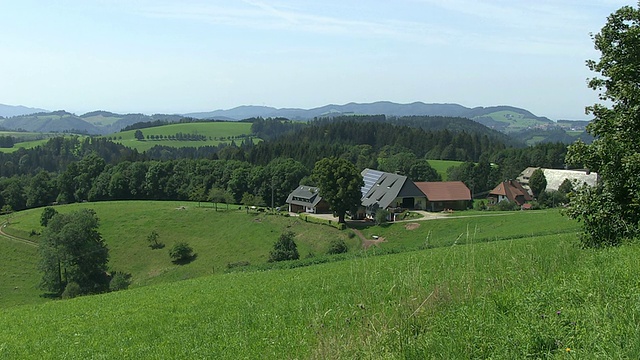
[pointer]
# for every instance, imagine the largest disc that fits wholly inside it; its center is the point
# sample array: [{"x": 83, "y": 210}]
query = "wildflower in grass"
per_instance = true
[
  {"x": 558, "y": 312},
  {"x": 568, "y": 350}
]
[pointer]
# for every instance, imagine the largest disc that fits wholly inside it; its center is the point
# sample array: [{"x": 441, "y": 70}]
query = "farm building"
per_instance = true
[
  {"x": 447, "y": 195},
  {"x": 556, "y": 177},
  {"x": 510, "y": 190},
  {"x": 389, "y": 191},
  {"x": 307, "y": 199}
]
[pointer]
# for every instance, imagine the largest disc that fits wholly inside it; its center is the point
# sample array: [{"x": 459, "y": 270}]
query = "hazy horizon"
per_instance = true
[{"x": 198, "y": 56}]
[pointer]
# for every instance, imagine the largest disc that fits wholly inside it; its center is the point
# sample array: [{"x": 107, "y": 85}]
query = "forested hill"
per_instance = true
[{"x": 425, "y": 137}]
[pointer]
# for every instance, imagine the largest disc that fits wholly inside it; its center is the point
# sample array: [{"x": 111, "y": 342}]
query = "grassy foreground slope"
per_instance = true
[{"x": 537, "y": 297}]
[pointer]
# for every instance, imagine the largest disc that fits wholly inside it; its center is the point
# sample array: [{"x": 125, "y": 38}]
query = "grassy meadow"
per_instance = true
[
  {"x": 507, "y": 285},
  {"x": 27, "y": 140},
  {"x": 539, "y": 297},
  {"x": 441, "y": 166},
  {"x": 218, "y": 237},
  {"x": 214, "y": 131}
]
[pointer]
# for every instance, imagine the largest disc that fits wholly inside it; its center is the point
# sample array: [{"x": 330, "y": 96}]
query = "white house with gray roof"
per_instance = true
[{"x": 555, "y": 177}]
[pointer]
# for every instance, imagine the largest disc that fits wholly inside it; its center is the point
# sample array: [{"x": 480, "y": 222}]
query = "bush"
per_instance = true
[
  {"x": 71, "y": 290},
  {"x": 119, "y": 281},
  {"x": 152, "y": 239},
  {"x": 337, "y": 246},
  {"x": 506, "y": 206},
  {"x": 181, "y": 253},
  {"x": 285, "y": 248},
  {"x": 381, "y": 216}
]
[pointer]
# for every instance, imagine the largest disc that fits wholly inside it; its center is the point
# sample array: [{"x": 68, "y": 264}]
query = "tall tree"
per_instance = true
[
  {"x": 610, "y": 212},
  {"x": 339, "y": 182},
  {"x": 73, "y": 251},
  {"x": 537, "y": 182}
]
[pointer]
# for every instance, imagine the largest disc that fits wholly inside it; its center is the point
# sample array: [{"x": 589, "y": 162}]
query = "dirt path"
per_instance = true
[
  {"x": 15, "y": 238},
  {"x": 366, "y": 243}
]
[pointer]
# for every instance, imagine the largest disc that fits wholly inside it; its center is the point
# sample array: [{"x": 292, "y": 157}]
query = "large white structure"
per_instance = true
[{"x": 556, "y": 177}]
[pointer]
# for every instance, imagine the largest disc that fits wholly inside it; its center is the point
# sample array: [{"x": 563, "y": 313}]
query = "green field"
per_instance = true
[
  {"x": 441, "y": 166},
  {"x": 216, "y": 133},
  {"x": 27, "y": 140},
  {"x": 539, "y": 297},
  {"x": 509, "y": 285},
  {"x": 513, "y": 120},
  {"x": 218, "y": 237}
]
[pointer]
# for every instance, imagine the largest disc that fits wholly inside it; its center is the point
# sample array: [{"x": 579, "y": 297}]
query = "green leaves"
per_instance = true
[{"x": 609, "y": 212}]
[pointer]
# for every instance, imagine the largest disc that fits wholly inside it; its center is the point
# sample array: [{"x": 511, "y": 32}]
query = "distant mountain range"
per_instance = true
[
  {"x": 502, "y": 118},
  {"x": 9, "y": 110}
]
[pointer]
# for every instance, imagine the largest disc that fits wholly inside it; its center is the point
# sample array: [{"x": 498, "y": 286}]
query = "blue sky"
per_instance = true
[{"x": 187, "y": 56}]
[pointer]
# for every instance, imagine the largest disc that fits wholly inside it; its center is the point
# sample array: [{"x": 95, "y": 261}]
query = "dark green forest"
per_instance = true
[{"x": 67, "y": 170}]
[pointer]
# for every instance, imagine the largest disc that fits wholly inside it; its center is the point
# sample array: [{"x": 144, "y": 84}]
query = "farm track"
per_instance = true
[{"x": 15, "y": 238}]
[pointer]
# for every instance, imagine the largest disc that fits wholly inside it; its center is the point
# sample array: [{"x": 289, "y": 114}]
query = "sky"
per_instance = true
[{"x": 163, "y": 56}]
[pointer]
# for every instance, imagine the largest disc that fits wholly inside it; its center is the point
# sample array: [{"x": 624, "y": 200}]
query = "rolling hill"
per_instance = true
[
  {"x": 528, "y": 296},
  {"x": 503, "y": 118}
]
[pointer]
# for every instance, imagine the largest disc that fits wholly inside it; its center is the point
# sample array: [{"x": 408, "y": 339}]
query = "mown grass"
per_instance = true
[
  {"x": 441, "y": 166},
  {"x": 540, "y": 297},
  {"x": 214, "y": 130}
]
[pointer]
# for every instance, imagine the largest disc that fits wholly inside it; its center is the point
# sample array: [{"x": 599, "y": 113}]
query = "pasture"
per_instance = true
[
  {"x": 27, "y": 140},
  {"x": 441, "y": 166},
  {"x": 215, "y": 133},
  {"x": 536, "y": 297}
]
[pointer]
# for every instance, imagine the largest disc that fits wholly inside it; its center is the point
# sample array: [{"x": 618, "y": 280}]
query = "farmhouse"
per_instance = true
[
  {"x": 453, "y": 195},
  {"x": 556, "y": 177},
  {"x": 389, "y": 191},
  {"x": 510, "y": 190},
  {"x": 307, "y": 199}
]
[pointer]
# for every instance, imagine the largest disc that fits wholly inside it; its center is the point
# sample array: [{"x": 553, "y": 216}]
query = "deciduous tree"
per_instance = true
[
  {"x": 73, "y": 251},
  {"x": 339, "y": 182},
  {"x": 610, "y": 212}
]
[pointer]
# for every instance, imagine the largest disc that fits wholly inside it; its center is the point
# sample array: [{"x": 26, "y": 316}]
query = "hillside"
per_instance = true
[
  {"x": 11, "y": 110},
  {"x": 233, "y": 236},
  {"x": 206, "y": 133},
  {"x": 535, "y": 297},
  {"x": 93, "y": 123},
  {"x": 502, "y": 118}
]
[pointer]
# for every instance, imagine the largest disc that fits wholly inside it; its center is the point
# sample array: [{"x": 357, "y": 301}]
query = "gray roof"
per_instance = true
[
  {"x": 386, "y": 188},
  {"x": 305, "y": 196}
]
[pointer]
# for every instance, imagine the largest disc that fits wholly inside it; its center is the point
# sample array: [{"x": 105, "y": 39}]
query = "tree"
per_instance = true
[
  {"x": 339, "y": 182},
  {"x": 537, "y": 182},
  {"x": 152, "y": 239},
  {"x": 138, "y": 135},
  {"x": 609, "y": 211},
  {"x": 47, "y": 214},
  {"x": 73, "y": 251},
  {"x": 181, "y": 253},
  {"x": 285, "y": 248},
  {"x": 381, "y": 216},
  {"x": 217, "y": 195}
]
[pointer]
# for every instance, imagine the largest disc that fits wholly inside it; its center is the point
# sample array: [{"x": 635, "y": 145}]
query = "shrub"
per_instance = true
[
  {"x": 71, "y": 290},
  {"x": 119, "y": 281},
  {"x": 337, "y": 246},
  {"x": 181, "y": 253},
  {"x": 152, "y": 239},
  {"x": 381, "y": 216},
  {"x": 285, "y": 248},
  {"x": 506, "y": 206}
]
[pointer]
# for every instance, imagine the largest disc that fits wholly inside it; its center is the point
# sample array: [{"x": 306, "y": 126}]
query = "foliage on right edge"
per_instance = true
[{"x": 610, "y": 212}]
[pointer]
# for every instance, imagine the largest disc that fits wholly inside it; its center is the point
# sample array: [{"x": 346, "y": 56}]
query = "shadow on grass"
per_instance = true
[{"x": 185, "y": 260}]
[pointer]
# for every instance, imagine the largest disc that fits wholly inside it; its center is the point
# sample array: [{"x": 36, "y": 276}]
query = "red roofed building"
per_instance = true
[
  {"x": 452, "y": 195},
  {"x": 510, "y": 190}
]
